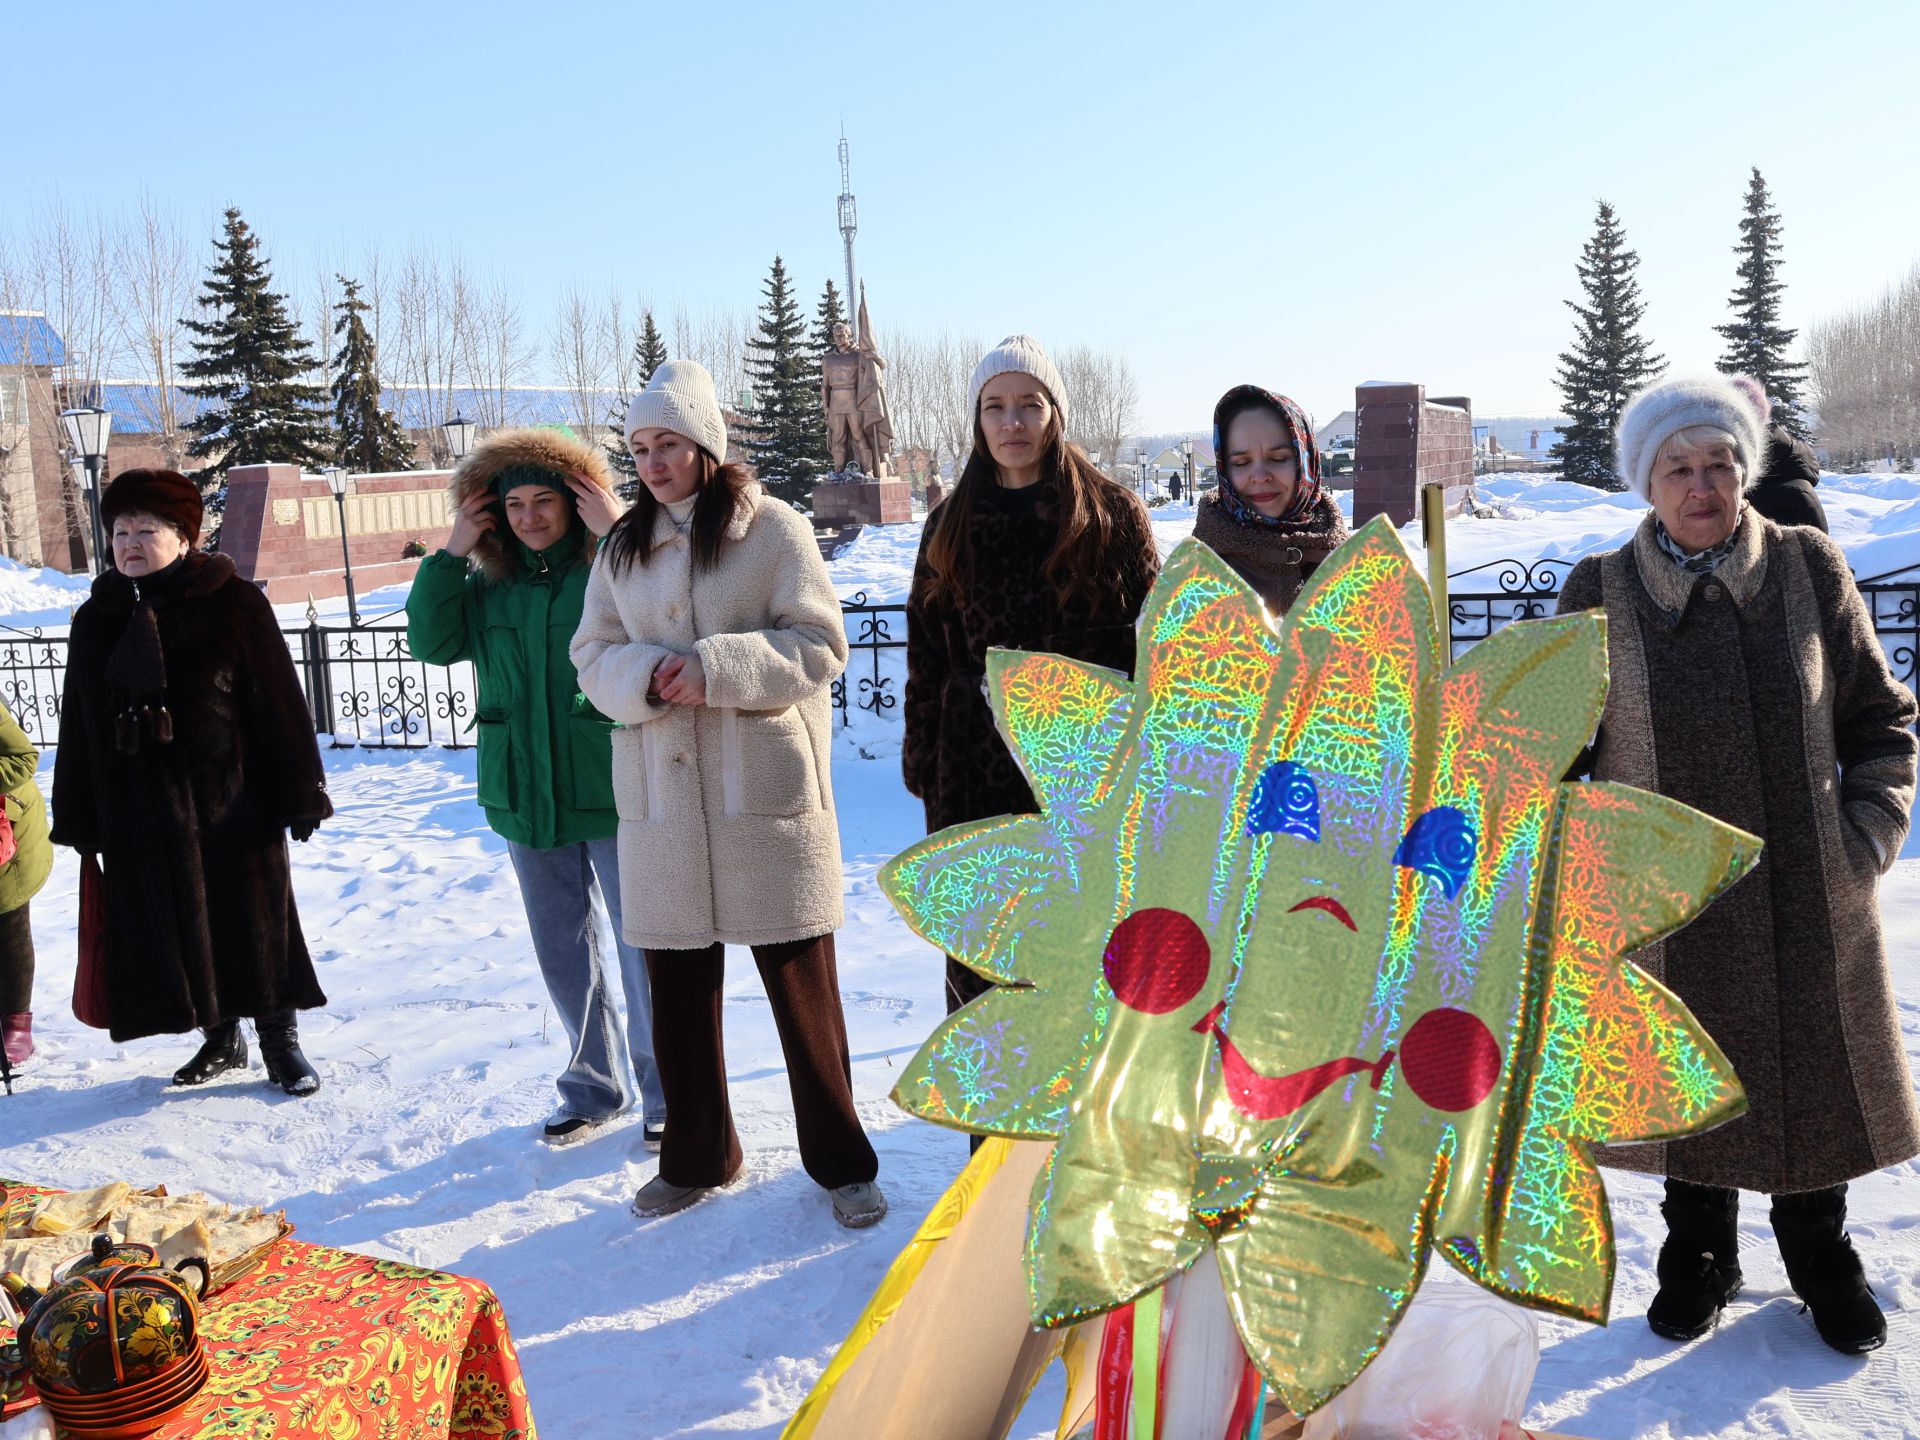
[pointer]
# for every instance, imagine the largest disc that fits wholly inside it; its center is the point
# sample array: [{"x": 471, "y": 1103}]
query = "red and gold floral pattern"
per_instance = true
[{"x": 332, "y": 1345}]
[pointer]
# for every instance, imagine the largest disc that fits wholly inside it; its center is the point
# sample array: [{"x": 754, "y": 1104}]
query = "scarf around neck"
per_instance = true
[
  {"x": 137, "y": 669},
  {"x": 1697, "y": 562}
]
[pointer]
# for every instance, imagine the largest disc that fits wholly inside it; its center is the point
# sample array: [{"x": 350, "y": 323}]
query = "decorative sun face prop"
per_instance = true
[{"x": 1311, "y": 957}]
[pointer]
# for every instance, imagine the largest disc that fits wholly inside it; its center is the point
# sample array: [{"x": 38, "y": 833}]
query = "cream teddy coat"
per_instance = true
[{"x": 727, "y": 826}]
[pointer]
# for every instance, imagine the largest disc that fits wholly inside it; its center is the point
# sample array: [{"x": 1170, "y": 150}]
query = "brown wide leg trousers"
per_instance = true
[{"x": 803, "y": 986}]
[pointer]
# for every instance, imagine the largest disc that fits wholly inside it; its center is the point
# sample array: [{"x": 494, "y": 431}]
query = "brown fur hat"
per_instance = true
[
  {"x": 552, "y": 451},
  {"x": 164, "y": 494}
]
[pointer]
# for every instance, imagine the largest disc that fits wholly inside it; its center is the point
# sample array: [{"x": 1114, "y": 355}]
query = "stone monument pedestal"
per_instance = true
[{"x": 862, "y": 502}]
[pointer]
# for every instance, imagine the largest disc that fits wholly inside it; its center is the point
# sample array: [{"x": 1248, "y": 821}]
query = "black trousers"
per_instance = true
[
  {"x": 803, "y": 985},
  {"x": 16, "y": 962}
]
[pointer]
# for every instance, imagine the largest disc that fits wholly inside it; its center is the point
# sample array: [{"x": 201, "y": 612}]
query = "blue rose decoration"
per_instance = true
[{"x": 1441, "y": 843}]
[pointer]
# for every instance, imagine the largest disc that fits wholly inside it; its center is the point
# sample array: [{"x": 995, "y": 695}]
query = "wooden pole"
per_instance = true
[{"x": 1433, "y": 530}]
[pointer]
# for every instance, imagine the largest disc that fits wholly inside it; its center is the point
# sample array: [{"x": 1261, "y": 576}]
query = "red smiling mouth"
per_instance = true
[{"x": 1265, "y": 1097}]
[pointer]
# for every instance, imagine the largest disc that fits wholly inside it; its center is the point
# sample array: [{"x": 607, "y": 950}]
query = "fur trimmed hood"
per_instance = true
[{"x": 541, "y": 448}]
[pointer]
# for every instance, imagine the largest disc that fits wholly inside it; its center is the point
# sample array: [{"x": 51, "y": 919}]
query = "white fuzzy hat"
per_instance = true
[
  {"x": 1732, "y": 403},
  {"x": 680, "y": 398},
  {"x": 1023, "y": 355}
]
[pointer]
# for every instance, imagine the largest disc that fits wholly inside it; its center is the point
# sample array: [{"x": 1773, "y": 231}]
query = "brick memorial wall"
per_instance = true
[
  {"x": 1402, "y": 440},
  {"x": 282, "y": 527}
]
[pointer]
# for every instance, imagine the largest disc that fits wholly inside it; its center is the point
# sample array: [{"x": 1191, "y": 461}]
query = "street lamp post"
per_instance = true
[
  {"x": 1142, "y": 475},
  {"x": 1186, "y": 449},
  {"x": 88, "y": 429},
  {"x": 336, "y": 478},
  {"x": 459, "y": 432}
]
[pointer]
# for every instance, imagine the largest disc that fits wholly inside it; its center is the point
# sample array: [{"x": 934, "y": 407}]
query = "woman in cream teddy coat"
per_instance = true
[{"x": 711, "y": 633}]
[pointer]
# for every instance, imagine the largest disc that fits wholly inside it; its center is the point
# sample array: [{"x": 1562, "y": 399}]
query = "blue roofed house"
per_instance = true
[{"x": 43, "y": 517}]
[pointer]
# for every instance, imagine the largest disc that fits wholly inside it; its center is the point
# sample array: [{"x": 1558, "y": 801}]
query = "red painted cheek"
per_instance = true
[
  {"x": 1450, "y": 1059},
  {"x": 1156, "y": 961}
]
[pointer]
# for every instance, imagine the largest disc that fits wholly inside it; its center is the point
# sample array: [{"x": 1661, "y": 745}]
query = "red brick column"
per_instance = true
[{"x": 1403, "y": 440}]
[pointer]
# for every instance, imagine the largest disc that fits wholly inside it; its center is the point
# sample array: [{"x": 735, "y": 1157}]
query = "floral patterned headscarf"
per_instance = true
[{"x": 1306, "y": 492}]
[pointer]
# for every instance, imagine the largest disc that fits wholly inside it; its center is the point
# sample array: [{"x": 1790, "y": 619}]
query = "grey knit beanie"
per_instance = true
[
  {"x": 1023, "y": 355},
  {"x": 680, "y": 398},
  {"x": 1732, "y": 403}
]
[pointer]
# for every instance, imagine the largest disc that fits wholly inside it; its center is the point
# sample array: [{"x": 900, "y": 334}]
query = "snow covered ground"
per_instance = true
[{"x": 438, "y": 1049}]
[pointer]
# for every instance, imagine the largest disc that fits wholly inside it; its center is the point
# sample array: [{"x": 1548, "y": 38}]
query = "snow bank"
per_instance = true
[{"x": 31, "y": 598}]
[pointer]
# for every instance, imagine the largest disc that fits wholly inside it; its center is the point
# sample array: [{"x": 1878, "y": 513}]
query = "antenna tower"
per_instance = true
[{"x": 848, "y": 224}]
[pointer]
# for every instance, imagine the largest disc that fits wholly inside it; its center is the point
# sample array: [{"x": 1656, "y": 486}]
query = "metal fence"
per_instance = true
[{"x": 366, "y": 688}]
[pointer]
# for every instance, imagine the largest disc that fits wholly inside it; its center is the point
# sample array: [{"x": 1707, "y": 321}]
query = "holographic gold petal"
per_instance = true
[
  {"x": 1066, "y": 723},
  {"x": 992, "y": 1068},
  {"x": 1619, "y": 1057},
  {"x": 967, "y": 888}
]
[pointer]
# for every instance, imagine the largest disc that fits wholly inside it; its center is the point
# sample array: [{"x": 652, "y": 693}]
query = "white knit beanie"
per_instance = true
[
  {"x": 1732, "y": 403},
  {"x": 680, "y": 398},
  {"x": 1018, "y": 354}
]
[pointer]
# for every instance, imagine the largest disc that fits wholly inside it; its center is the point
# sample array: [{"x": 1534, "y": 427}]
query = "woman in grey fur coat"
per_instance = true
[{"x": 1747, "y": 682}]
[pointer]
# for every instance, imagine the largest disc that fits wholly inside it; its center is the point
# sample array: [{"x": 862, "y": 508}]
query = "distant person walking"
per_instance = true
[{"x": 508, "y": 598}]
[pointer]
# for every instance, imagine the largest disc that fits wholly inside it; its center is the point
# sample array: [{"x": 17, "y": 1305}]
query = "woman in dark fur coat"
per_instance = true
[
  {"x": 186, "y": 754},
  {"x": 1034, "y": 550}
]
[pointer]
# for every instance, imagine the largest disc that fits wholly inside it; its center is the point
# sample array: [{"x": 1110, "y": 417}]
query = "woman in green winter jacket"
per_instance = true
[
  {"x": 20, "y": 879},
  {"x": 508, "y": 599}
]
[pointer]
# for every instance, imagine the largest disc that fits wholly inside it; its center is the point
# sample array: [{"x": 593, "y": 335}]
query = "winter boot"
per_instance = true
[
  {"x": 1825, "y": 1272},
  {"x": 225, "y": 1049},
  {"x": 1699, "y": 1266},
  {"x": 280, "y": 1049},
  {"x": 16, "y": 1037}
]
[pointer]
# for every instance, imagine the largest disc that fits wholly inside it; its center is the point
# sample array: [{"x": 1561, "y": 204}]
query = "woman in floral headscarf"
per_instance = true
[{"x": 1269, "y": 520}]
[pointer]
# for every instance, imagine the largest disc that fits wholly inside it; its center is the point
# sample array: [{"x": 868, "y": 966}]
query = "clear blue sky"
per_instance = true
[{"x": 1302, "y": 196}]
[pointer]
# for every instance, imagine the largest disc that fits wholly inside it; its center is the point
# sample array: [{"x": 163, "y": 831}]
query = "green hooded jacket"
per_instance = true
[
  {"x": 22, "y": 877},
  {"x": 546, "y": 755}
]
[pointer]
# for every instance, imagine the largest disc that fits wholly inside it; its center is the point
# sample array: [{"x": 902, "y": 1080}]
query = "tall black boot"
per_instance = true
[
  {"x": 280, "y": 1049},
  {"x": 1699, "y": 1266},
  {"x": 225, "y": 1049},
  {"x": 1825, "y": 1272}
]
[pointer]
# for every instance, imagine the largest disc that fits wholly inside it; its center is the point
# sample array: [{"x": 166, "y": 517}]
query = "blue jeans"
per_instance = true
[{"x": 557, "y": 887}]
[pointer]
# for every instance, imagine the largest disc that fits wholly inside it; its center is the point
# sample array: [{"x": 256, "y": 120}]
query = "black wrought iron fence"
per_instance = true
[
  {"x": 33, "y": 668},
  {"x": 365, "y": 687}
]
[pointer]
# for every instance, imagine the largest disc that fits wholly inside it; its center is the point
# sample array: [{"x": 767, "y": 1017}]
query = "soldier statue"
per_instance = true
[{"x": 853, "y": 393}]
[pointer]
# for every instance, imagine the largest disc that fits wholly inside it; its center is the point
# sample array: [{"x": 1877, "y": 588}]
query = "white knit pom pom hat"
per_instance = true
[
  {"x": 680, "y": 397},
  {"x": 1733, "y": 403},
  {"x": 1023, "y": 355}
]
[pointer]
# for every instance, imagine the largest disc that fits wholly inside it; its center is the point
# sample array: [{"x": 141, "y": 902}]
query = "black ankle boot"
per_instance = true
[
  {"x": 1699, "y": 1265},
  {"x": 225, "y": 1049},
  {"x": 280, "y": 1049},
  {"x": 1824, "y": 1270}
]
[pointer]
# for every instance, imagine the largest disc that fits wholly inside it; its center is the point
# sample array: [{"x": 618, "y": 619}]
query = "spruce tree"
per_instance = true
[
  {"x": 789, "y": 437},
  {"x": 827, "y": 315},
  {"x": 370, "y": 438},
  {"x": 649, "y": 351},
  {"x": 649, "y": 354},
  {"x": 1756, "y": 343},
  {"x": 247, "y": 367},
  {"x": 1610, "y": 359}
]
